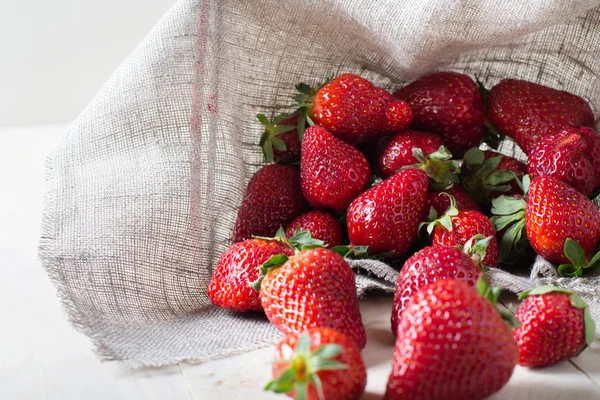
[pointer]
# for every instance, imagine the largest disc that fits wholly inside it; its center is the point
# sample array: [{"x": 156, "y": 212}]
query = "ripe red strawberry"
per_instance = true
[
  {"x": 451, "y": 344},
  {"x": 432, "y": 264},
  {"x": 557, "y": 212},
  {"x": 238, "y": 265},
  {"x": 456, "y": 227},
  {"x": 450, "y": 105},
  {"x": 272, "y": 199},
  {"x": 555, "y": 325},
  {"x": 279, "y": 141},
  {"x": 526, "y": 111},
  {"x": 354, "y": 110},
  {"x": 320, "y": 224},
  {"x": 440, "y": 202},
  {"x": 318, "y": 364},
  {"x": 313, "y": 288},
  {"x": 386, "y": 217},
  {"x": 333, "y": 172},
  {"x": 397, "y": 151},
  {"x": 571, "y": 156},
  {"x": 486, "y": 175}
]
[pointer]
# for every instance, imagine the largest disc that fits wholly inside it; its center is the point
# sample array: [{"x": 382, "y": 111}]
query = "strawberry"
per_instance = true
[
  {"x": 555, "y": 325},
  {"x": 571, "y": 155},
  {"x": 527, "y": 111},
  {"x": 273, "y": 198},
  {"x": 486, "y": 175},
  {"x": 313, "y": 288},
  {"x": 450, "y": 105},
  {"x": 237, "y": 265},
  {"x": 397, "y": 152},
  {"x": 456, "y": 227},
  {"x": 332, "y": 172},
  {"x": 279, "y": 141},
  {"x": 434, "y": 263},
  {"x": 320, "y": 224},
  {"x": 352, "y": 109},
  {"x": 562, "y": 224},
  {"x": 386, "y": 217},
  {"x": 440, "y": 202},
  {"x": 320, "y": 363},
  {"x": 451, "y": 344}
]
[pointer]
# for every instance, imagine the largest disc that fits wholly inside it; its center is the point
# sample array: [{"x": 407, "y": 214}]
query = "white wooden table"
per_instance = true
[{"x": 43, "y": 357}]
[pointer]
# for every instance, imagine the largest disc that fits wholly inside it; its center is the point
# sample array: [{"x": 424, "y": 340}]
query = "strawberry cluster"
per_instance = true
[{"x": 400, "y": 177}]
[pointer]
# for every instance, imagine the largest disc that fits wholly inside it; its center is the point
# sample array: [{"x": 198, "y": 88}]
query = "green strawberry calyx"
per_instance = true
[
  {"x": 439, "y": 167},
  {"x": 576, "y": 301},
  {"x": 304, "y": 102},
  {"x": 476, "y": 248},
  {"x": 575, "y": 253},
  {"x": 445, "y": 220},
  {"x": 485, "y": 176},
  {"x": 492, "y": 293},
  {"x": 351, "y": 251},
  {"x": 269, "y": 139},
  {"x": 304, "y": 366},
  {"x": 301, "y": 240},
  {"x": 492, "y": 136},
  {"x": 509, "y": 213}
]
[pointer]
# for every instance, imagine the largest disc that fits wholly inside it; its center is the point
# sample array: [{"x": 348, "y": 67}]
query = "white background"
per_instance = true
[{"x": 56, "y": 54}]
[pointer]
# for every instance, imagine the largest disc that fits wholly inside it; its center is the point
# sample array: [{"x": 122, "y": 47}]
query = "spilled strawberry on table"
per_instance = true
[{"x": 417, "y": 179}]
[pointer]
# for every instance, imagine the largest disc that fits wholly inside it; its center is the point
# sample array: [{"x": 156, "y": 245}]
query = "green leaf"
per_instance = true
[
  {"x": 477, "y": 246},
  {"x": 507, "y": 205},
  {"x": 574, "y": 253},
  {"x": 493, "y": 137},
  {"x": 280, "y": 233},
  {"x": 279, "y": 129},
  {"x": 321, "y": 364},
  {"x": 278, "y": 143},
  {"x": 301, "y": 390},
  {"x": 502, "y": 221},
  {"x": 482, "y": 88},
  {"x": 316, "y": 381},
  {"x": 482, "y": 285},
  {"x": 577, "y": 301},
  {"x": 525, "y": 184},
  {"x": 274, "y": 261},
  {"x": 499, "y": 177},
  {"x": 590, "y": 326},
  {"x": 302, "y": 240},
  {"x": 446, "y": 222},
  {"x": 304, "y": 88},
  {"x": 595, "y": 262},
  {"x": 328, "y": 351},
  {"x": 543, "y": 290},
  {"x": 263, "y": 119},
  {"x": 302, "y": 124},
  {"x": 267, "y": 148},
  {"x": 569, "y": 271},
  {"x": 509, "y": 240},
  {"x": 303, "y": 344},
  {"x": 351, "y": 251},
  {"x": 418, "y": 154},
  {"x": 284, "y": 383},
  {"x": 473, "y": 158},
  {"x": 490, "y": 165}
]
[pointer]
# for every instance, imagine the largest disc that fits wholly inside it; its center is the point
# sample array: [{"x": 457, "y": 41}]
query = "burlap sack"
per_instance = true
[{"x": 143, "y": 189}]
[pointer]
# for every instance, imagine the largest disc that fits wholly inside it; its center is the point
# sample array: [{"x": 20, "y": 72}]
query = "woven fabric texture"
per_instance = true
[{"x": 144, "y": 187}]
